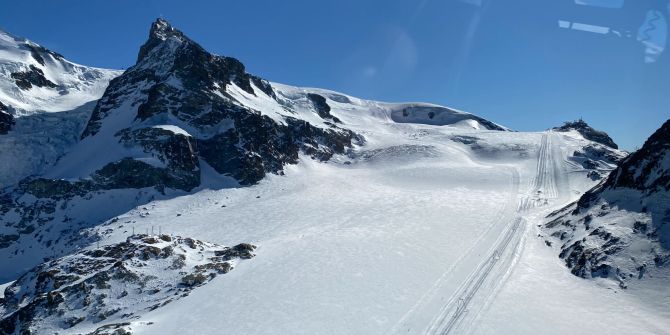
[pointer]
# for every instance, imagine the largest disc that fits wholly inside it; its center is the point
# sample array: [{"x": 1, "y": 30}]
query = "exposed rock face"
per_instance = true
[
  {"x": 621, "y": 228},
  {"x": 588, "y": 132},
  {"x": 648, "y": 169},
  {"x": 438, "y": 115},
  {"x": 34, "y": 77},
  {"x": 176, "y": 151},
  {"x": 113, "y": 283},
  {"x": 181, "y": 81},
  {"x": 322, "y": 107},
  {"x": 6, "y": 119}
]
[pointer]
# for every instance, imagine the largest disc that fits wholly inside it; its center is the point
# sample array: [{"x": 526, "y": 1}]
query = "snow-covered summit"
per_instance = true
[
  {"x": 34, "y": 79},
  {"x": 588, "y": 132}
]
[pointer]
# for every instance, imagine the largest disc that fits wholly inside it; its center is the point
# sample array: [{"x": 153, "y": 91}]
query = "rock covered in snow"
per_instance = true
[
  {"x": 102, "y": 289},
  {"x": 597, "y": 157},
  {"x": 648, "y": 169},
  {"x": 155, "y": 126}
]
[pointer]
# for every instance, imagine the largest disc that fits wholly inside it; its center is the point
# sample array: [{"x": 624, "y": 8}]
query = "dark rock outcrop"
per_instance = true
[
  {"x": 6, "y": 119},
  {"x": 322, "y": 107},
  {"x": 645, "y": 170},
  {"x": 176, "y": 151},
  {"x": 33, "y": 77}
]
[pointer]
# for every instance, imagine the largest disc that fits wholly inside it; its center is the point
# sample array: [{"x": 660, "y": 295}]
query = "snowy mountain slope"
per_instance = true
[
  {"x": 34, "y": 79},
  {"x": 367, "y": 221},
  {"x": 619, "y": 229},
  {"x": 384, "y": 237},
  {"x": 412, "y": 198},
  {"x": 34, "y": 84},
  {"x": 614, "y": 234}
]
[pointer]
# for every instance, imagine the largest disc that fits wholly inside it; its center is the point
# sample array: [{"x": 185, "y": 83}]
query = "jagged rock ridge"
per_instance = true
[{"x": 184, "y": 86}]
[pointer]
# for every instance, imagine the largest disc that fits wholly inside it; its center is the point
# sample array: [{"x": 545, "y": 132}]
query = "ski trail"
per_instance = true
[
  {"x": 449, "y": 319},
  {"x": 543, "y": 187},
  {"x": 492, "y": 233}
]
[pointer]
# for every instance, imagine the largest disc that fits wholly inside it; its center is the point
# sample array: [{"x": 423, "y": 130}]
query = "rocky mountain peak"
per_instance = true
[
  {"x": 588, "y": 132},
  {"x": 177, "y": 84},
  {"x": 161, "y": 28},
  {"x": 161, "y": 31}
]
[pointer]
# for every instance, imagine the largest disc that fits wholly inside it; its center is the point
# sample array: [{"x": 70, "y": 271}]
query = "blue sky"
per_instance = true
[{"x": 509, "y": 61}]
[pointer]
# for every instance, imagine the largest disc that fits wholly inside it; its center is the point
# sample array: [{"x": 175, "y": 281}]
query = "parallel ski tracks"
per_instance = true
[
  {"x": 457, "y": 307},
  {"x": 543, "y": 187}
]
